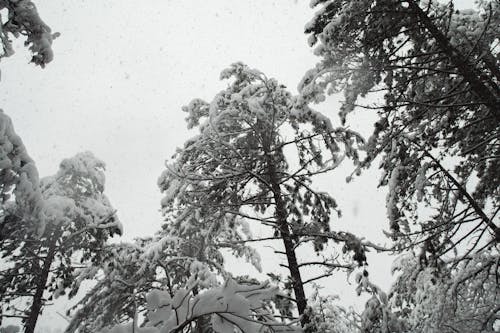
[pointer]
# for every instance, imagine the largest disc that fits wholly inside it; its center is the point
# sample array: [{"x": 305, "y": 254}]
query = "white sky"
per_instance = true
[{"x": 123, "y": 69}]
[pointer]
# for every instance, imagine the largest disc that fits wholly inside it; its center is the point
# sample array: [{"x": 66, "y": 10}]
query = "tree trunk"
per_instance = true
[
  {"x": 293, "y": 266},
  {"x": 468, "y": 72},
  {"x": 484, "y": 218},
  {"x": 281, "y": 217},
  {"x": 41, "y": 284}
]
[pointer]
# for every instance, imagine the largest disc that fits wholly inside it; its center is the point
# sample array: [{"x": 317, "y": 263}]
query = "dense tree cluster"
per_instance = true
[{"x": 430, "y": 73}]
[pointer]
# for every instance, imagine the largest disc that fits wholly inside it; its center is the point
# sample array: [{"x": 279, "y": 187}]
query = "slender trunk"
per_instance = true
[
  {"x": 41, "y": 284},
  {"x": 284, "y": 229},
  {"x": 469, "y": 73},
  {"x": 281, "y": 217}
]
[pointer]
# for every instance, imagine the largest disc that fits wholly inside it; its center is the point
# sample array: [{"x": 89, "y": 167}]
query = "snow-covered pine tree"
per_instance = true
[
  {"x": 237, "y": 166},
  {"x": 431, "y": 73},
  {"x": 77, "y": 219}
]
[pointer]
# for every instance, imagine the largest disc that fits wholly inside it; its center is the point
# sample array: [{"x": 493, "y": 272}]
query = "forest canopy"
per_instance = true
[{"x": 248, "y": 178}]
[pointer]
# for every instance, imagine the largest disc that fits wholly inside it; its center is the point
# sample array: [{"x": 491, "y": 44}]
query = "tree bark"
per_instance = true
[
  {"x": 281, "y": 217},
  {"x": 41, "y": 284},
  {"x": 293, "y": 266}
]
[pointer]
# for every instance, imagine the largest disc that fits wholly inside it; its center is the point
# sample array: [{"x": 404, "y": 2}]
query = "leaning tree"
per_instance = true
[{"x": 431, "y": 73}]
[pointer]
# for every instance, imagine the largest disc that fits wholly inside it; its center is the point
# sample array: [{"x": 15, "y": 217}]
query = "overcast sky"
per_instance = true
[{"x": 123, "y": 69}]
